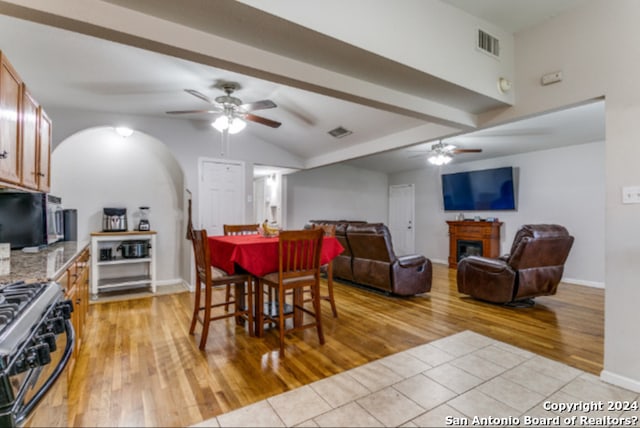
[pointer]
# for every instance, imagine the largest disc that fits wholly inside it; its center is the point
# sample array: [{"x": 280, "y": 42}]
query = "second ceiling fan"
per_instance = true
[
  {"x": 441, "y": 153},
  {"x": 228, "y": 108}
]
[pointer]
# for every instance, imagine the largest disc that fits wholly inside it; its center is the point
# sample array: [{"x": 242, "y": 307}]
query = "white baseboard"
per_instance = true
[
  {"x": 575, "y": 281},
  {"x": 619, "y": 380},
  {"x": 167, "y": 282},
  {"x": 593, "y": 284}
]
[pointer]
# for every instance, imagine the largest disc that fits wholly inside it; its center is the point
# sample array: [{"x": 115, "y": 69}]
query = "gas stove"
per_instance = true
[{"x": 34, "y": 325}]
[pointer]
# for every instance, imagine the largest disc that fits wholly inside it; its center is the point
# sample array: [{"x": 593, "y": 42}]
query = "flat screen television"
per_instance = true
[{"x": 481, "y": 190}]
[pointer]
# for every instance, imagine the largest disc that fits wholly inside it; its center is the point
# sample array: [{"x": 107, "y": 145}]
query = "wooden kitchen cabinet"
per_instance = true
[
  {"x": 75, "y": 280},
  {"x": 36, "y": 144},
  {"x": 44, "y": 151},
  {"x": 29, "y": 133},
  {"x": 10, "y": 105},
  {"x": 25, "y": 135}
]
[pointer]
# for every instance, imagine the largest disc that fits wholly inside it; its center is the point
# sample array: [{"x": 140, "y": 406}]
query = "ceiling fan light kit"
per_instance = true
[
  {"x": 439, "y": 159},
  {"x": 228, "y": 123},
  {"x": 233, "y": 114},
  {"x": 441, "y": 153}
]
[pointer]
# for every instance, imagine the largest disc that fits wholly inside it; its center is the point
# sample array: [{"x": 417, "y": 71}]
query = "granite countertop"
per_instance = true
[{"x": 46, "y": 265}]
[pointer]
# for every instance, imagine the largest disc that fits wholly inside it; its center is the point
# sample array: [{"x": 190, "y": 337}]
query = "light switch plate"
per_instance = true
[{"x": 631, "y": 195}]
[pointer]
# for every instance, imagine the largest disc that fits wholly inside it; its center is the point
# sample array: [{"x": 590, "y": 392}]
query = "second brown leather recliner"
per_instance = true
[
  {"x": 534, "y": 267},
  {"x": 375, "y": 264}
]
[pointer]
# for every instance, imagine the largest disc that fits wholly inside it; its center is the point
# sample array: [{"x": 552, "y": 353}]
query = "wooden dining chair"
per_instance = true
[
  {"x": 298, "y": 268},
  {"x": 209, "y": 277},
  {"x": 238, "y": 229},
  {"x": 328, "y": 230}
]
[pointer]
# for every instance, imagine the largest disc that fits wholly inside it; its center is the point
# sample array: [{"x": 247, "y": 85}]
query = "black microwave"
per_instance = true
[{"x": 30, "y": 219}]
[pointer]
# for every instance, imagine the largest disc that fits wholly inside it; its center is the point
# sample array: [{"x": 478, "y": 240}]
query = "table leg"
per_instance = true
[{"x": 240, "y": 299}]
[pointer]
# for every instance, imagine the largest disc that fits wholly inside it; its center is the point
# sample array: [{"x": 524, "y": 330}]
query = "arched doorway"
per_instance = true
[{"x": 97, "y": 168}]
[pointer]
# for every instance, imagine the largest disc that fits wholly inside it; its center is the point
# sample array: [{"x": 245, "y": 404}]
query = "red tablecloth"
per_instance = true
[{"x": 256, "y": 254}]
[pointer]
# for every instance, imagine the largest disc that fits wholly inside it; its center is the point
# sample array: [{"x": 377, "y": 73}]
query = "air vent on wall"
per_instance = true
[
  {"x": 340, "y": 132},
  {"x": 488, "y": 44}
]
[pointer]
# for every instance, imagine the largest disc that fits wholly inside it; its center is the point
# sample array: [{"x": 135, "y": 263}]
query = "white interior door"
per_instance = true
[
  {"x": 221, "y": 194},
  {"x": 401, "y": 218},
  {"x": 259, "y": 200}
]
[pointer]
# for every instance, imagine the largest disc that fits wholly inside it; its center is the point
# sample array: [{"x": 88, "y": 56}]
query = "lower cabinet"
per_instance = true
[{"x": 75, "y": 280}]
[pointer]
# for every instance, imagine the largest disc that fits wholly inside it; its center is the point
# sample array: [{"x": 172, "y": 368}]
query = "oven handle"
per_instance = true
[{"x": 24, "y": 411}]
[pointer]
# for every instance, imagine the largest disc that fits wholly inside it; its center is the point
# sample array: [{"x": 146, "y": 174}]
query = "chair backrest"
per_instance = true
[
  {"x": 540, "y": 245},
  {"x": 241, "y": 229},
  {"x": 202, "y": 254},
  {"x": 299, "y": 253}
]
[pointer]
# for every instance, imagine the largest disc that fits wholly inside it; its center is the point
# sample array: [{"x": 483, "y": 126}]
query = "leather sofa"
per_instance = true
[
  {"x": 533, "y": 267},
  {"x": 368, "y": 259}
]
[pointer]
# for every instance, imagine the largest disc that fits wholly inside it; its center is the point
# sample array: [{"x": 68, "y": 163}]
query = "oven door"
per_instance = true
[{"x": 41, "y": 393}]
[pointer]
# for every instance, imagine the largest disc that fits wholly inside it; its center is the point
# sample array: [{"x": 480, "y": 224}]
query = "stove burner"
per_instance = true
[{"x": 14, "y": 298}]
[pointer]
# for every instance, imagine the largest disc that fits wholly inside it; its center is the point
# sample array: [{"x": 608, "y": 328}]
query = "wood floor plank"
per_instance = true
[{"x": 140, "y": 367}]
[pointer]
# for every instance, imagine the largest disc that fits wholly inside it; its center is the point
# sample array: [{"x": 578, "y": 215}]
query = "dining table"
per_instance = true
[{"x": 258, "y": 256}]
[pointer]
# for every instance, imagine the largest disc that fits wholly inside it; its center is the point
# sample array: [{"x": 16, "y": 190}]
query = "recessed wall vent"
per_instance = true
[
  {"x": 488, "y": 44},
  {"x": 340, "y": 132}
]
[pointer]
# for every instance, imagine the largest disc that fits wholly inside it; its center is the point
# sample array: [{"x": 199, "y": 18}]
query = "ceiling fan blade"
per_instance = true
[
  {"x": 193, "y": 111},
  {"x": 456, "y": 151},
  {"x": 262, "y": 120},
  {"x": 200, "y": 95},
  {"x": 258, "y": 105}
]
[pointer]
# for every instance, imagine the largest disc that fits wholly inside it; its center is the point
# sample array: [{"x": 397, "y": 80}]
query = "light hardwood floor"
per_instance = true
[{"x": 140, "y": 367}]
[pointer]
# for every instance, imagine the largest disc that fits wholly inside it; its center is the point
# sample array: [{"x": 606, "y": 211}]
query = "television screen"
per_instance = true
[{"x": 483, "y": 190}]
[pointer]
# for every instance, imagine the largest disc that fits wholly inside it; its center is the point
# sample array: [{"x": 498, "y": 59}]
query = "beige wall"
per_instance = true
[{"x": 596, "y": 47}]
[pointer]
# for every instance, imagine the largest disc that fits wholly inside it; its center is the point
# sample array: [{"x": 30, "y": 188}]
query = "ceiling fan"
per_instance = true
[
  {"x": 229, "y": 108},
  {"x": 441, "y": 153}
]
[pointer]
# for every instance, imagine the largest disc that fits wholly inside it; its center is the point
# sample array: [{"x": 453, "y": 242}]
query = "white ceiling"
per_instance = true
[
  {"x": 514, "y": 15},
  {"x": 70, "y": 70}
]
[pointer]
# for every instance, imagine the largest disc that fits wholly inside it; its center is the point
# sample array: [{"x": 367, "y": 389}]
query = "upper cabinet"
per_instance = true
[
  {"x": 10, "y": 105},
  {"x": 29, "y": 134},
  {"x": 44, "y": 151},
  {"x": 25, "y": 135}
]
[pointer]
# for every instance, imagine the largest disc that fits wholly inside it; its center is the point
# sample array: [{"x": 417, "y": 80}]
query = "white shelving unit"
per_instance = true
[{"x": 119, "y": 273}]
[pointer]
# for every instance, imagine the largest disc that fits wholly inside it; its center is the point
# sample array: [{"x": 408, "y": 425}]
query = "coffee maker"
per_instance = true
[{"x": 114, "y": 220}]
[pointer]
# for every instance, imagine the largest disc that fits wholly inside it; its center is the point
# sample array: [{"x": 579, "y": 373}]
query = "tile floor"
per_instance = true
[{"x": 454, "y": 381}]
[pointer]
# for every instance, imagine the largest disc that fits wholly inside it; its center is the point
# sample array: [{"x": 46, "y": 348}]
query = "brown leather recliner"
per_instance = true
[
  {"x": 375, "y": 264},
  {"x": 533, "y": 267}
]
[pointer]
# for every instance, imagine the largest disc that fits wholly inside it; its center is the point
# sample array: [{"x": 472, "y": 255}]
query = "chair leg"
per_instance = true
[
  {"x": 318, "y": 312},
  {"x": 330, "y": 288},
  {"x": 281, "y": 319},
  {"x": 196, "y": 306},
  {"x": 227, "y": 297},
  {"x": 207, "y": 317}
]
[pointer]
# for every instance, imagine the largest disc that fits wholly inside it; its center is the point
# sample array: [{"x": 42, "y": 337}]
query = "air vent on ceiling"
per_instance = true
[
  {"x": 488, "y": 44},
  {"x": 340, "y": 132}
]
